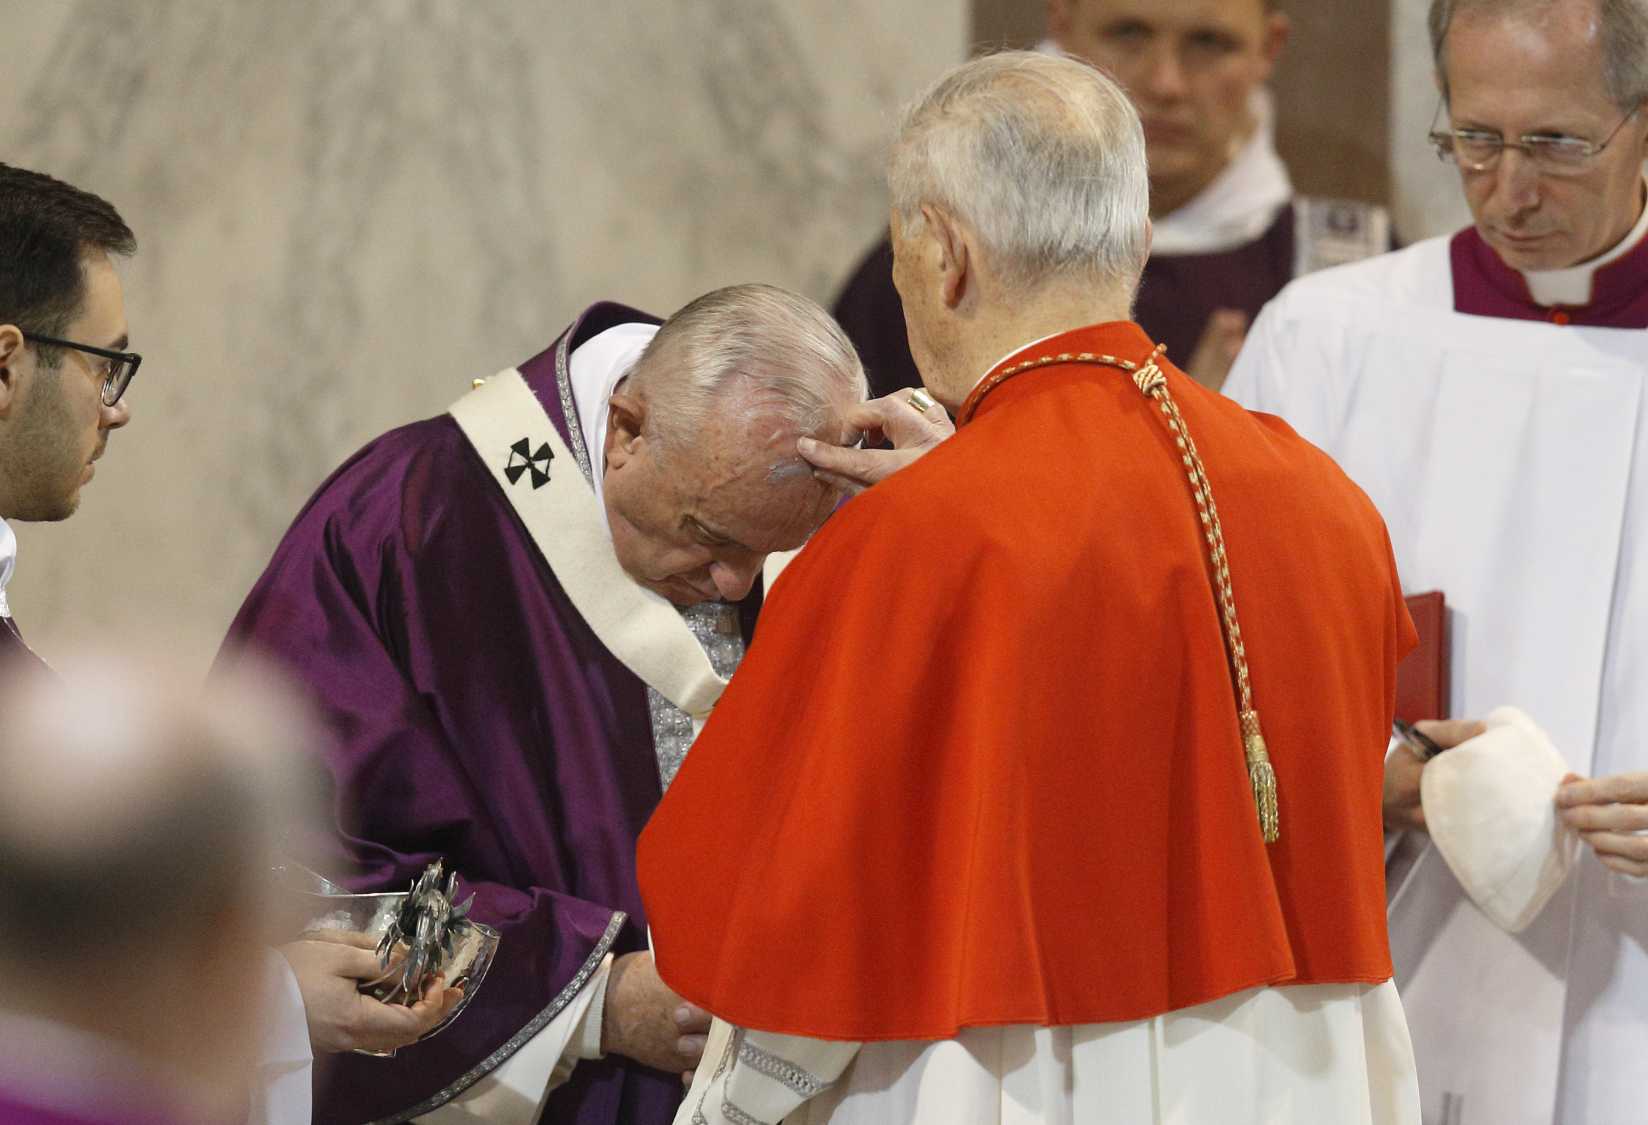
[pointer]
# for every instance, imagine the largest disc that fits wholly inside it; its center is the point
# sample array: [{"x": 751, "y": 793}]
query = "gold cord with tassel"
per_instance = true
[
  {"x": 1261, "y": 775},
  {"x": 1151, "y": 382}
]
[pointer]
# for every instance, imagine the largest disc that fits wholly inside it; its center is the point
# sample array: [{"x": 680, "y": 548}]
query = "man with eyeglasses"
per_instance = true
[
  {"x": 64, "y": 372},
  {"x": 63, "y": 363},
  {"x": 1487, "y": 391},
  {"x": 1230, "y": 230}
]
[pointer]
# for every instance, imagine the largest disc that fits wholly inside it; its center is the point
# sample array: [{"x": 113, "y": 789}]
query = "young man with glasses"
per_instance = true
[
  {"x": 63, "y": 364},
  {"x": 64, "y": 372},
  {"x": 1487, "y": 391}
]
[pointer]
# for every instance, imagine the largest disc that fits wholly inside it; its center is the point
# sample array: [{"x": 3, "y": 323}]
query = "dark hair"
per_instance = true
[{"x": 46, "y": 228}]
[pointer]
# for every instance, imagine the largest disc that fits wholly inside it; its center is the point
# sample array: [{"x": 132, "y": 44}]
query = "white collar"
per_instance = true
[
  {"x": 1242, "y": 201},
  {"x": 1572, "y": 286},
  {"x": 8, "y": 563},
  {"x": 985, "y": 374},
  {"x": 595, "y": 369}
]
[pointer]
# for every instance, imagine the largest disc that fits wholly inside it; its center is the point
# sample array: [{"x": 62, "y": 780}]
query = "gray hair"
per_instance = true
[
  {"x": 1042, "y": 157},
  {"x": 1623, "y": 27},
  {"x": 780, "y": 349}
]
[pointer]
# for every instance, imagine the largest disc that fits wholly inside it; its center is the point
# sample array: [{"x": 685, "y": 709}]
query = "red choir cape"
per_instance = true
[{"x": 982, "y": 763}]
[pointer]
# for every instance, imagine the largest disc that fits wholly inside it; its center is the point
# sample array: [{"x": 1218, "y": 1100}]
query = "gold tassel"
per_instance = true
[{"x": 1261, "y": 776}]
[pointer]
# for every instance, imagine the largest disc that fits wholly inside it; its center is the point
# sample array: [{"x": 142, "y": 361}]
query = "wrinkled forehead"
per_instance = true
[
  {"x": 747, "y": 481},
  {"x": 774, "y": 509}
]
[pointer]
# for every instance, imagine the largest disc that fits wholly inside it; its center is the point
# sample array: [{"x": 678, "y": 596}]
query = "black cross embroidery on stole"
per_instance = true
[{"x": 522, "y": 459}]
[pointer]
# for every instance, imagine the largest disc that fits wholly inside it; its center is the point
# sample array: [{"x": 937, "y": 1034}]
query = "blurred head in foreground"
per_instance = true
[{"x": 138, "y": 822}]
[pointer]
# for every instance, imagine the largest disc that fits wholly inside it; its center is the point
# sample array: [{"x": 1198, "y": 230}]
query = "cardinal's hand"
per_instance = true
[{"x": 912, "y": 432}]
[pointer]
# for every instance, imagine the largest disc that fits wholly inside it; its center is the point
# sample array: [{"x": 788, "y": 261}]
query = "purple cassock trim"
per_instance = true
[
  {"x": 1177, "y": 294},
  {"x": 476, "y": 717},
  {"x": 1483, "y": 285}
]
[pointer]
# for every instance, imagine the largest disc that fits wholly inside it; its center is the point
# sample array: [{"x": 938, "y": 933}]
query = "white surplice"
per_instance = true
[
  {"x": 1300, "y": 1055},
  {"x": 1506, "y": 458}
]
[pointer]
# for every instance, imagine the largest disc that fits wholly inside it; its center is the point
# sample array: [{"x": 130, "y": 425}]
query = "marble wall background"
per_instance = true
[
  {"x": 1425, "y": 194},
  {"x": 348, "y": 208}
]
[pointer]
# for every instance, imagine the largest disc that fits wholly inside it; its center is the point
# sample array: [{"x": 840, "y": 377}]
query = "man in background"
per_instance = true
[
  {"x": 1486, "y": 389},
  {"x": 64, "y": 367},
  {"x": 1229, "y": 229},
  {"x": 64, "y": 373}
]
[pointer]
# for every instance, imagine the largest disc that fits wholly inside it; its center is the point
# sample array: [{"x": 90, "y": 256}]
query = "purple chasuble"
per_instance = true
[
  {"x": 477, "y": 718},
  {"x": 1483, "y": 285},
  {"x": 1177, "y": 294}
]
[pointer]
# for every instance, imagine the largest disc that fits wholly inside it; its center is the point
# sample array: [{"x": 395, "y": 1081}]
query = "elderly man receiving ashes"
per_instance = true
[{"x": 515, "y": 616}]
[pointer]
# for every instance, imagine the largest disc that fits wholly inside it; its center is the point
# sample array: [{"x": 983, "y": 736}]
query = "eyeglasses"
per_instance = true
[
  {"x": 1477, "y": 150},
  {"x": 118, "y": 372}
]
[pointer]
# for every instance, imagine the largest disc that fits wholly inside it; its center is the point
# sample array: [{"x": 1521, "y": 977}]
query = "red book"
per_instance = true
[{"x": 1422, "y": 677}]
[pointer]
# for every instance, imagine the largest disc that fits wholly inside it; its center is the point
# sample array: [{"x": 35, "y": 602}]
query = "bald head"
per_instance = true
[
  {"x": 132, "y": 811},
  {"x": 138, "y": 821}
]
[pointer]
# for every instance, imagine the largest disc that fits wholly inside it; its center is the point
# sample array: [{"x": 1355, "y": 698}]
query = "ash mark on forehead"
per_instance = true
[{"x": 789, "y": 469}]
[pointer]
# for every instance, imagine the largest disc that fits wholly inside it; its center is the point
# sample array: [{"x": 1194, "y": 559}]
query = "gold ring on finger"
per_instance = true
[{"x": 921, "y": 400}]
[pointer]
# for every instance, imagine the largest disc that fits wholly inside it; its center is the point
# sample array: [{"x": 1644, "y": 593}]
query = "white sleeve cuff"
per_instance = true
[
  {"x": 586, "y": 1040},
  {"x": 514, "y": 1093},
  {"x": 761, "y": 1076}
]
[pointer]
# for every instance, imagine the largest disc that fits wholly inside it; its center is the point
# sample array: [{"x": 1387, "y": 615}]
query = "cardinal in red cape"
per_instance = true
[{"x": 1053, "y": 773}]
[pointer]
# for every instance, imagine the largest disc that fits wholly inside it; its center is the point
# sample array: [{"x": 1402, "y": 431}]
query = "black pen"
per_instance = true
[{"x": 1423, "y": 747}]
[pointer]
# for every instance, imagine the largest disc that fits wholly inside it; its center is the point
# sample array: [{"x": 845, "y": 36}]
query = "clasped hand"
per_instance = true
[
  {"x": 1611, "y": 815},
  {"x": 645, "y": 1021}
]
